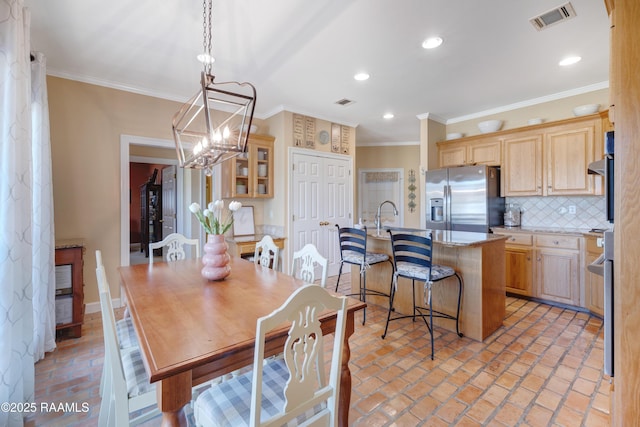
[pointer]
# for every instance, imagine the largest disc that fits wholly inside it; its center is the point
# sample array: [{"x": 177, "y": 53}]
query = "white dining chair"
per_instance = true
[
  {"x": 125, "y": 386},
  {"x": 266, "y": 253},
  {"x": 174, "y": 243},
  {"x": 295, "y": 388},
  {"x": 304, "y": 263}
]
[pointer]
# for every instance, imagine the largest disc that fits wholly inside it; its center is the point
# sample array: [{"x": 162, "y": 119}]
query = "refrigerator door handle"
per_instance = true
[{"x": 447, "y": 207}]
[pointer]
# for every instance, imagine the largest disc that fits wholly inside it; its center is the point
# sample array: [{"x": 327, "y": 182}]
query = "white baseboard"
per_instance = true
[{"x": 94, "y": 307}]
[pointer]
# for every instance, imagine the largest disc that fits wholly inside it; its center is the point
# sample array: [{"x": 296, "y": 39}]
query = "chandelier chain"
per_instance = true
[{"x": 207, "y": 6}]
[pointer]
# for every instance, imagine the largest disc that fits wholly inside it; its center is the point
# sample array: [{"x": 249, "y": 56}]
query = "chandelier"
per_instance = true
[{"x": 213, "y": 126}]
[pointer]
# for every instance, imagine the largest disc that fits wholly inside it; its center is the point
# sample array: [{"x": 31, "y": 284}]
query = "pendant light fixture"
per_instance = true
[{"x": 213, "y": 126}]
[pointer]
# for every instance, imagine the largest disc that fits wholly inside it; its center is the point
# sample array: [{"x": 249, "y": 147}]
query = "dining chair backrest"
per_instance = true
[
  {"x": 266, "y": 253},
  {"x": 412, "y": 249},
  {"x": 303, "y": 265},
  {"x": 304, "y": 356},
  {"x": 119, "y": 398},
  {"x": 174, "y": 243}
]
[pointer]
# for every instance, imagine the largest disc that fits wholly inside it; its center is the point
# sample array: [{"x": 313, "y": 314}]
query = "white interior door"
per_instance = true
[
  {"x": 321, "y": 198},
  {"x": 168, "y": 200}
]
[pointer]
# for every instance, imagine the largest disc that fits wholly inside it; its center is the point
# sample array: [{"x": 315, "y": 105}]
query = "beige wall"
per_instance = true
[
  {"x": 86, "y": 124},
  {"x": 404, "y": 156},
  {"x": 548, "y": 111}
]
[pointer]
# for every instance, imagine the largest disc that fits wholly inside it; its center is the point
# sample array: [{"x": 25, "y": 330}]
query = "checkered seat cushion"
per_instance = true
[
  {"x": 438, "y": 272},
  {"x": 134, "y": 373},
  {"x": 126, "y": 334},
  {"x": 353, "y": 257},
  {"x": 229, "y": 403}
]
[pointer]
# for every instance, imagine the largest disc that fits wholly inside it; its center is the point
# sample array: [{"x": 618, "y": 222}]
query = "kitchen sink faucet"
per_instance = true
[{"x": 378, "y": 221}]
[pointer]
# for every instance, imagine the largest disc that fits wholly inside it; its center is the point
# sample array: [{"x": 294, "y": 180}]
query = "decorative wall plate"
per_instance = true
[{"x": 324, "y": 137}]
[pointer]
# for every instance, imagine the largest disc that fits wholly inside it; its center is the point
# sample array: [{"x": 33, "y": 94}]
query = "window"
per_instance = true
[{"x": 374, "y": 187}]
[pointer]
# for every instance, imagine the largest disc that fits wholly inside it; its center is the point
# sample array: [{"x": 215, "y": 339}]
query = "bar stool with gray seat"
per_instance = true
[
  {"x": 412, "y": 258},
  {"x": 353, "y": 250}
]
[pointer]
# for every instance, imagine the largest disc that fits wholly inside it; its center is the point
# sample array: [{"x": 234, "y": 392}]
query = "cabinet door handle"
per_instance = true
[{"x": 555, "y": 242}]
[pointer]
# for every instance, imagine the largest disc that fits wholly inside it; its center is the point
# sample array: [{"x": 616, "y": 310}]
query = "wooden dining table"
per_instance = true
[{"x": 192, "y": 330}]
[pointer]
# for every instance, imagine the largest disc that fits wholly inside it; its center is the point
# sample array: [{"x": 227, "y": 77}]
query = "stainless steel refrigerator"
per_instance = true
[{"x": 465, "y": 198}]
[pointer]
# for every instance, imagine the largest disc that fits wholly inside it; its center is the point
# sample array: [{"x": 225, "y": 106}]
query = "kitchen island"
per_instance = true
[{"x": 478, "y": 258}]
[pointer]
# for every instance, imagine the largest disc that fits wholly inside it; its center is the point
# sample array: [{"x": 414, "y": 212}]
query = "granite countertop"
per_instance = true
[
  {"x": 445, "y": 238},
  {"x": 568, "y": 231}
]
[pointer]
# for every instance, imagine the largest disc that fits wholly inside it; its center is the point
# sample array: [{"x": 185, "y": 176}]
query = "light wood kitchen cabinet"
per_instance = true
[
  {"x": 519, "y": 270},
  {"x": 552, "y": 160},
  {"x": 568, "y": 150},
  {"x": 544, "y": 266},
  {"x": 483, "y": 151},
  {"x": 522, "y": 165},
  {"x": 250, "y": 175},
  {"x": 519, "y": 262},
  {"x": 558, "y": 268},
  {"x": 593, "y": 283}
]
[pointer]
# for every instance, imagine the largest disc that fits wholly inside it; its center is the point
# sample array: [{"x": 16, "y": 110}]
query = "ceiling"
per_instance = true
[{"x": 302, "y": 55}]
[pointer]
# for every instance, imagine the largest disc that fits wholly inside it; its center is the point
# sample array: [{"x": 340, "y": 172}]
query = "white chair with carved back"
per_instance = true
[
  {"x": 174, "y": 243},
  {"x": 294, "y": 389},
  {"x": 266, "y": 253},
  {"x": 304, "y": 264},
  {"x": 125, "y": 386}
]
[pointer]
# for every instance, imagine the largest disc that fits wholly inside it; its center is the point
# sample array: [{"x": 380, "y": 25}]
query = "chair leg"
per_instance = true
[
  {"x": 413, "y": 287},
  {"x": 363, "y": 293},
  {"x": 392, "y": 294},
  {"x": 431, "y": 320},
  {"x": 339, "y": 274},
  {"x": 460, "y": 334}
]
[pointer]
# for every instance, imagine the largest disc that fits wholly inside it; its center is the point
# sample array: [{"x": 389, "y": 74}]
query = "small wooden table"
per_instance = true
[{"x": 192, "y": 330}]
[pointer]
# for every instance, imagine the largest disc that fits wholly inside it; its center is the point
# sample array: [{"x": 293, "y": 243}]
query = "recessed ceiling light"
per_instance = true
[
  {"x": 388, "y": 116},
  {"x": 569, "y": 61},
  {"x": 361, "y": 77},
  {"x": 432, "y": 42}
]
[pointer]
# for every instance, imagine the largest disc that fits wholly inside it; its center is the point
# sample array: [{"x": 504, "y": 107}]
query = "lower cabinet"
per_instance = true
[
  {"x": 519, "y": 270},
  {"x": 557, "y": 273},
  {"x": 545, "y": 266}
]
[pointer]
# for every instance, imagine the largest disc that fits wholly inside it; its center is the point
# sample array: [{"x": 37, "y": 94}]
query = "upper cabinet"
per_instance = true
[
  {"x": 250, "y": 175},
  {"x": 568, "y": 150},
  {"x": 550, "y": 159},
  {"x": 481, "y": 151},
  {"x": 522, "y": 165}
]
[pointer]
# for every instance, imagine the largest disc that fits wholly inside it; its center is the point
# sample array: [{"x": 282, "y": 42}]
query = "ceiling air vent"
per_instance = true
[
  {"x": 554, "y": 16},
  {"x": 344, "y": 102}
]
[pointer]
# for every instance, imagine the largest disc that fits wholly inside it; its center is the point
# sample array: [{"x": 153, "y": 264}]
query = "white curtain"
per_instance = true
[{"x": 26, "y": 268}]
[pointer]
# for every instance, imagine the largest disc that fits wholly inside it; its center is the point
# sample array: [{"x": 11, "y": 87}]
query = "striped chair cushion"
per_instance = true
[
  {"x": 422, "y": 273},
  {"x": 229, "y": 403},
  {"x": 356, "y": 258},
  {"x": 134, "y": 373},
  {"x": 126, "y": 334}
]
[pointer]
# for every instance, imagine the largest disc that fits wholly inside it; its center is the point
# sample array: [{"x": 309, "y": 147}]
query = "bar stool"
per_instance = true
[
  {"x": 353, "y": 250},
  {"x": 412, "y": 258}
]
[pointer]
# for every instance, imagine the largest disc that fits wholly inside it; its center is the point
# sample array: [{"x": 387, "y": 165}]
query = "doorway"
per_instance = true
[{"x": 129, "y": 143}]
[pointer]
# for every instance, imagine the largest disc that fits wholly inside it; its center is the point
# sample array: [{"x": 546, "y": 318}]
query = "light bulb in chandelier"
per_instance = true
[
  {"x": 225, "y": 133},
  {"x": 206, "y": 58}
]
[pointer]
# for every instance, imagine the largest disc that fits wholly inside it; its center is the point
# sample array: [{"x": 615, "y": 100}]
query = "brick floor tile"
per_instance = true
[
  {"x": 584, "y": 386},
  {"x": 451, "y": 410},
  {"x": 509, "y": 415},
  {"x": 481, "y": 410},
  {"x": 539, "y": 416},
  {"x": 548, "y": 399}
]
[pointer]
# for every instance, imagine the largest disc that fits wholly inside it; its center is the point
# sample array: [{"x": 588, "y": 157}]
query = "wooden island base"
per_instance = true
[{"x": 477, "y": 257}]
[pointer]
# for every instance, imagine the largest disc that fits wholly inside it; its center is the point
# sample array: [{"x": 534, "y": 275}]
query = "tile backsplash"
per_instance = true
[{"x": 554, "y": 211}]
